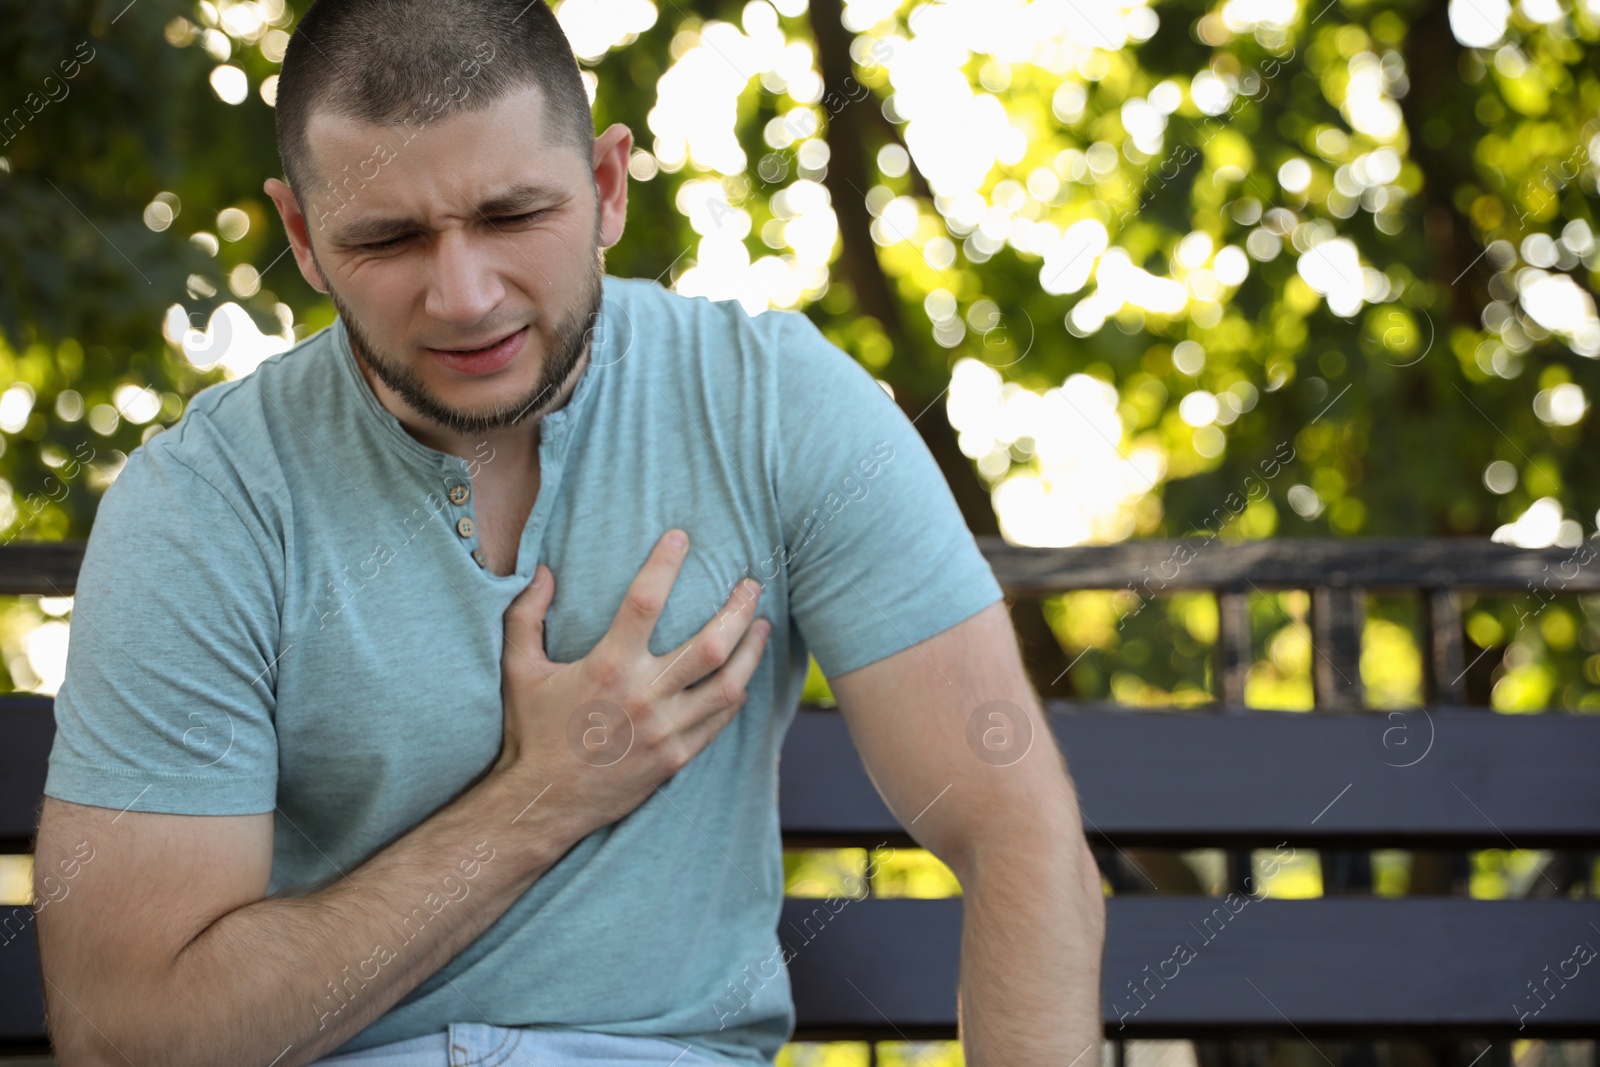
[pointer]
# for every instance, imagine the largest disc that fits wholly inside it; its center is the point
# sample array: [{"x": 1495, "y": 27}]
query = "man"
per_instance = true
[{"x": 395, "y": 728}]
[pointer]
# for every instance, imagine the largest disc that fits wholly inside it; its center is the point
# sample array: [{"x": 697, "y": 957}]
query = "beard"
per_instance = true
[{"x": 570, "y": 343}]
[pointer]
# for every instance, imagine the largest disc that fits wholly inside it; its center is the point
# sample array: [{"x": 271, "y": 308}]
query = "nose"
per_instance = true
[{"x": 464, "y": 286}]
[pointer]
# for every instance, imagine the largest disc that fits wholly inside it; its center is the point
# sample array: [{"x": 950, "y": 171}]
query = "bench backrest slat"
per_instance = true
[
  {"x": 1235, "y": 653},
  {"x": 1337, "y": 615},
  {"x": 1458, "y": 778},
  {"x": 1290, "y": 968},
  {"x": 1444, "y": 668},
  {"x": 1295, "y": 563}
]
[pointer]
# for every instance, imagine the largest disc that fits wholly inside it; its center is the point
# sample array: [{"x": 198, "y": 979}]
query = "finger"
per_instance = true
[
  {"x": 629, "y": 636},
  {"x": 715, "y": 701},
  {"x": 524, "y": 626},
  {"x": 711, "y": 646}
]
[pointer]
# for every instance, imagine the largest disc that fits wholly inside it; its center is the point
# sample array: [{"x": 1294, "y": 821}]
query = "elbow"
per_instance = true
[
  {"x": 957, "y": 851},
  {"x": 1036, "y": 828},
  {"x": 79, "y": 1046},
  {"x": 85, "y": 1047},
  {"x": 1050, "y": 853},
  {"x": 85, "y": 1034}
]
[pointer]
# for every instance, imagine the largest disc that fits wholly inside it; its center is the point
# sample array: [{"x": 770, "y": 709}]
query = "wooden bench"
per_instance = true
[{"x": 1348, "y": 965}]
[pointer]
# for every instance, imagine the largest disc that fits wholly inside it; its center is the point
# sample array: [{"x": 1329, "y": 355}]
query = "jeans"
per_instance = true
[{"x": 484, "y": 1045}]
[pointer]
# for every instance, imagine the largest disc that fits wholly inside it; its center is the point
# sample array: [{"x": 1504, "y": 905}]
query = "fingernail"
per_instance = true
[
  {"x": 677, "y": 538},
  {"x": 763, "y": 627}
]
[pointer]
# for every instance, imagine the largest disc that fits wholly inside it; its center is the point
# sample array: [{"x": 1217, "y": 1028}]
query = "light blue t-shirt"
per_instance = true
[{"x": 280, "y": 609}]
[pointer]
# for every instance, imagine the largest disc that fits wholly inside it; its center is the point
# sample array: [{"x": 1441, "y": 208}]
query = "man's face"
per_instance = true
[{"x": 423, "y": 263}]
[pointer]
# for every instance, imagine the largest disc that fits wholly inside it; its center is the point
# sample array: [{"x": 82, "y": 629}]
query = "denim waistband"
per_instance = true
[{"x": 487, "y": 1045}]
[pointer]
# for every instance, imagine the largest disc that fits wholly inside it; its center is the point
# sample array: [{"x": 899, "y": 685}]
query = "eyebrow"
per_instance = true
[{"x": 515, "y": 199}]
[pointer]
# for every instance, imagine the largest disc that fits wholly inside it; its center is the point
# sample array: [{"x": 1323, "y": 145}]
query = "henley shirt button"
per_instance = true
[
  {"x": 459, "y": 494},
  {"x": 477, "y": 556},
  {"x": 464, "y": 526}
]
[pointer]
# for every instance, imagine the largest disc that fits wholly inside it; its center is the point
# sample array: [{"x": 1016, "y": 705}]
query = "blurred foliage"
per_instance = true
[
  {"x": 912, "y": 872},
  {"x": 833, "y": 1054},
  {"x": 822, "y": 873}
]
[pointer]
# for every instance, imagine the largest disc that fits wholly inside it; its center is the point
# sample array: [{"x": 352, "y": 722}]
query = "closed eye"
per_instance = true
[
  {"x": 512, "y": 220},
  {"x": 494, "y": 223},
  {"x": 379, "y": 246}
]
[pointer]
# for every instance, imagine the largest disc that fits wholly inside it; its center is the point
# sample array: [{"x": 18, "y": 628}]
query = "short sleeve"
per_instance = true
[
  {"x": 168, "y": 700},
  {"x": 879, "y": 557}
]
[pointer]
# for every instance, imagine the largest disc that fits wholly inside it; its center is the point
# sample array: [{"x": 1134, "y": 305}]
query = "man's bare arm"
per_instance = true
[
  {"x": 161, "y": 948},
  {"x": 280, "y": 980},
  {"x": 952, "y": 734}
]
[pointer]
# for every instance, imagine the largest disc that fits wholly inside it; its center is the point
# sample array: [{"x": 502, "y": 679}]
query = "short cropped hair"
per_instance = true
[{"x": 387, "y": 62}]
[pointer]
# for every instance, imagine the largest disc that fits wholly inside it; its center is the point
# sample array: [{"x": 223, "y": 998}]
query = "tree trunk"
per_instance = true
[{"x": 918, "y": 389}]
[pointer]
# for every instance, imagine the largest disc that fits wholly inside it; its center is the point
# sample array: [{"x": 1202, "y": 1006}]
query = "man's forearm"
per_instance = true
[
  {"x": 286, "y": 980},
  {"x": 1032, "y": 935}
]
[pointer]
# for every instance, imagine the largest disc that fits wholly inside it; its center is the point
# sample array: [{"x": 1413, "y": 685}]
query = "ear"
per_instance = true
[
  {"x": 295, "y": 226},
  {"x": 611, "y": 151}
]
